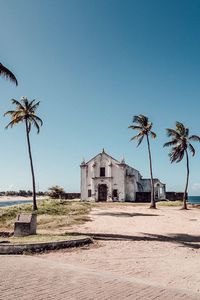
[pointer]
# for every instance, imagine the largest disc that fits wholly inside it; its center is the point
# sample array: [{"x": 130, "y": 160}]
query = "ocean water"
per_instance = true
[
  {"x": 14, "y": 202},
  {"x": 194, "y": 199},
  {"x": 191, "y": 199}
]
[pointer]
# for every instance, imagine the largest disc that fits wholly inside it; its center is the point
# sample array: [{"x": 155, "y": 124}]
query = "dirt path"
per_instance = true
[{"x": 160, "y": 247}]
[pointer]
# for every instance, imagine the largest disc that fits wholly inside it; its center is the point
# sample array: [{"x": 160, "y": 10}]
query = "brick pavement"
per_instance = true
[{"x": 31, "y": 277}]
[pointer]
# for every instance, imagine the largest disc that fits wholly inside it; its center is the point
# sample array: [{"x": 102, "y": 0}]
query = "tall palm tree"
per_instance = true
[
  {"x": 25, "y": 113},
  {"x": 142, "y": 124},
  {"x": 4, "y": 72},
  {"x": 180, "y": 143}
]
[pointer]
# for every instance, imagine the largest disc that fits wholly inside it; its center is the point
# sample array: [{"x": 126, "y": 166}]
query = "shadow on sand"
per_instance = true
[
  {"x": 124, "y": 214},
  {"x": 184, "y": 240}
]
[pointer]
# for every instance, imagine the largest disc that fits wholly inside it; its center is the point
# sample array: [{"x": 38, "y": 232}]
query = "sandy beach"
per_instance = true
[
  {"x": 17, "y": 198},
  {"x": 159, "y": 247}
]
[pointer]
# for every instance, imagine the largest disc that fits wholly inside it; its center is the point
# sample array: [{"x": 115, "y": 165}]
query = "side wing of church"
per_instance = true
[{"x": 104, "y": 178}]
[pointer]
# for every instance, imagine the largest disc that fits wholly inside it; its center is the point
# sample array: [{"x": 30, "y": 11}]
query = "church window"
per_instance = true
[
  {"x": 89, "y": 193},
  {"x": 102, "y": 172}
]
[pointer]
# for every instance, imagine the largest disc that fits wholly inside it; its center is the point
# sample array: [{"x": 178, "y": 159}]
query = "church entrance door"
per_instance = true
[{"x": 102, "y": 192}]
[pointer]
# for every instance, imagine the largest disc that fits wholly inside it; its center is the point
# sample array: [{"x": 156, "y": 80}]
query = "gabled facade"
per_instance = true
[{"x": 104, "y": 178}]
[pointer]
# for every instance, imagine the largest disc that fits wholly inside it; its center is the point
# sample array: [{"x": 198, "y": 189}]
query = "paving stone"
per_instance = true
[{"x": 30, "y": 278}]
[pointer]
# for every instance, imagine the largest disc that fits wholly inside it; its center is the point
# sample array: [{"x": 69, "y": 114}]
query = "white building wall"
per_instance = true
[
  {"x": 132, "y": 177},
  {"x": 83, "y": 182},
  {"x": 118, "y": 176},
  {"x": 114, "y": 177}
]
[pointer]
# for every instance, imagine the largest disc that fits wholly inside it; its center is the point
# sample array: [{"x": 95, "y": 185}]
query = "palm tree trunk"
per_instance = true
[
  {"x": 32, "y": 170},
  {"x": 153, "y": 203},
  {"x": 186, "y": 185}
]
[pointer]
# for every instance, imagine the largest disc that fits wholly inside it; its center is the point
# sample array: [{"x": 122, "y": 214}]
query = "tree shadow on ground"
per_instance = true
[
  {"x": 184, "y": 240},
  {"x": 124, "y": 214}
]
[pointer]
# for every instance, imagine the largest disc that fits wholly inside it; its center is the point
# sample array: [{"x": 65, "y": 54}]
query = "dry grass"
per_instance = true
[
  {"x": 55, "y": 216},
  {"x": 51, "y": 214},
  {"x": 107, "y": 205},
  {"x": 40, "y": 238},
  {"x": 170, "y": 203}
]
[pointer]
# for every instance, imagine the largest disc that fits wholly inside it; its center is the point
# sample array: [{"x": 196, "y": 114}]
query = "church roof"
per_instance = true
[
  {"x": 103, "y": 152},
  {"x": 117, "y": 161},
  {"x": 155, "y": 180}
]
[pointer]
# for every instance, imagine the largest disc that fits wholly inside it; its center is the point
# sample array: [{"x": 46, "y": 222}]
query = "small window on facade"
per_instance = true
[
  {"x": 89, "y": 193},
  {"x": 115, "y": 193},
  {"x": 102, "y": 172}
]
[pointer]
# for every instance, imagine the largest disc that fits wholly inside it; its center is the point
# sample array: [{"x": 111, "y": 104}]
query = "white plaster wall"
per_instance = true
[
  {"x": 132, "y": 176},
  {"x": 114, "y": 177},
  {"x": 159, "y": 187},
  {"x": 132, "y": 179},
  {"x": 160, "y": 190},
  {"x": 84, "y": 182},
  {"x": 117, "y": 176}
]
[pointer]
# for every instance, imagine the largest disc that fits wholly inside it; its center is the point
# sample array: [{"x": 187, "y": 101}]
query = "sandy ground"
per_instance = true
[{"x": 160, "y": 247}]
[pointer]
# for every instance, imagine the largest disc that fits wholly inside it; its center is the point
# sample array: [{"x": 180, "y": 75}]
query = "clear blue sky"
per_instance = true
[{"x": 94, "y": 64}]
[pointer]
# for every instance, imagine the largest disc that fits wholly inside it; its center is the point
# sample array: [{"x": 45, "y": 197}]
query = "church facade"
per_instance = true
[{"x": 103, "y": 178}]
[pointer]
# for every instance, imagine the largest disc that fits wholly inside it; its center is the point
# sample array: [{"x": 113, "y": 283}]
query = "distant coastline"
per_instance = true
[{"x": 18, "y": 198}]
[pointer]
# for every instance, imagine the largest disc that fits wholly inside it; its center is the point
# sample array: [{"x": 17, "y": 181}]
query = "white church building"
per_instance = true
[{"x": 103, "y": 178}]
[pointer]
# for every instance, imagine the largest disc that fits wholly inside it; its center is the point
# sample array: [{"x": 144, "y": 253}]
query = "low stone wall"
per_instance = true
[
  {"x": 146, "y": 196},
  {"x": 173, "y": 196},
  {"x": 7, "y": 248},
  {"x": 72, "y": 196}
]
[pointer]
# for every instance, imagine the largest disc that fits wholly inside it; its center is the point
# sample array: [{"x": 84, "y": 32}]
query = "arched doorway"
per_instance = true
[{"x": 102, "y": 192}]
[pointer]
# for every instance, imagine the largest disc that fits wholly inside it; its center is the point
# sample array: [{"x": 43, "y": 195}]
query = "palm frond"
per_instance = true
[
  {"x": 180, "y": 128},
  {"x": 11, "y": 124},
  {"x": 180, "y": 142},
  {"x": 33, "y": 121},
  {"x": 191, "y": 148},
  {"x": 37, "y": 119},
  {"x": 136, "y": 137},
  {"x": 25, "y": 102},
  {"x": 30, "y": 104},
  {"x": 170, "y": 143},
  {"x": 180, "y": 156},
  {"x": 134, "y": 127},
  {"x": 141, "y": 120},
  {"x": 9, "y": 112},
  {"x": 24, "y": 112},
  {"x": 137, "y": 119},
  {"x": 33, "y": 107},
  {"x": 177, "y": 154},
  {"x": 140, "y": 140},
  {"x": 194, "y": 138},
  {"x": 173, "y": 133},
  {"x": 17, "y": 103},
  {"x": 186, "y": 132},
  {"x": 7, "y": 74},
  {"x": 153, "y": 134}
]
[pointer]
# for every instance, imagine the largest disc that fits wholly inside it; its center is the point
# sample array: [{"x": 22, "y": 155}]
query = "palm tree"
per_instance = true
[
  {"x": 142, "y": 124},
  {"x": 180, "y": 143},
  {"x": 25, "y": 113},
  {"x": 4, "y": 72}
]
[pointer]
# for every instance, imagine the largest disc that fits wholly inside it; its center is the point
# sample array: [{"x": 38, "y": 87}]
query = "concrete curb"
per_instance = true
[{"x": 39, "y": 247}]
